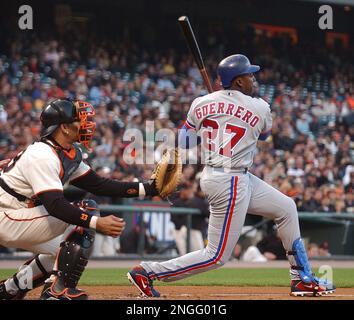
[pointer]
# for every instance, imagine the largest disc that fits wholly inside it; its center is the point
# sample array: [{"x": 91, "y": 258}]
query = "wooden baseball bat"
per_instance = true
[{"x": 194, "y": 49}]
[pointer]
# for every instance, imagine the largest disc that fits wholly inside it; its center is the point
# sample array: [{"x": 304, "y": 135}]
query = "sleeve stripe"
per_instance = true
[
  {"x": 264, "y": 135},
  {"x": 266, "y": 132},
  {"x": 61, "y": 174},
  {"x": 189, "y": 125}
]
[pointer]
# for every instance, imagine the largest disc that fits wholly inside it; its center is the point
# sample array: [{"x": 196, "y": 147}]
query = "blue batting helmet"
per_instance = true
[{"x": 234, "y": 66}]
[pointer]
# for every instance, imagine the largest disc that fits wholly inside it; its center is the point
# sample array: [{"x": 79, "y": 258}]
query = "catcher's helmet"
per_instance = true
[
  {"x": 57, "y": 112},
  {"x": 67, "y": 111},
  {"x": 233, "y": 66}
]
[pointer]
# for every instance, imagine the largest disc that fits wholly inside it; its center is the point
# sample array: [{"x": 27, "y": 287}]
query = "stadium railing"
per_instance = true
[
  {"x": 142, "y": 208},
  {"x": 335, "y": 228}
]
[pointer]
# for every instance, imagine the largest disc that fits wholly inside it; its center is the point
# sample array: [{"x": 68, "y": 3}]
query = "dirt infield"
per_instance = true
[{"x": 204, "y": 293}]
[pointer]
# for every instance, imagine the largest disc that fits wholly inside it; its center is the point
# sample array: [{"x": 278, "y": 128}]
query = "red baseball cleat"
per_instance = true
[
  {"x": 312, "y": 289},
  {"x": 139, "y": 278}
]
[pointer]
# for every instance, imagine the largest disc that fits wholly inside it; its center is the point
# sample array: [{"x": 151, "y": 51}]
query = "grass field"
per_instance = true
[{"x": 343, "y": 278}]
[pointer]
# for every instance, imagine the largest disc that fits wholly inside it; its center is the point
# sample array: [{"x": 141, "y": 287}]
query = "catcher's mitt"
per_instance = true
[{"x": 168, "y": 172}]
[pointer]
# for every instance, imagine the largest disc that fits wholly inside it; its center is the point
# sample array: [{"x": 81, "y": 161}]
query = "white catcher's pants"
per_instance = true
[{"x": 31, "y": 229}]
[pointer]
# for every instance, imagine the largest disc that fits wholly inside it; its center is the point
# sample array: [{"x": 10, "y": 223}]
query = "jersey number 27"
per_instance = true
[{"x": 213, "y": 137}]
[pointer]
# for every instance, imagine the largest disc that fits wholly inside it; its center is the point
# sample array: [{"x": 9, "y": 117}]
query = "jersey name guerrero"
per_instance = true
[
  {"x": 230, "y": 109},
  {"x": 229, "y": 124}
]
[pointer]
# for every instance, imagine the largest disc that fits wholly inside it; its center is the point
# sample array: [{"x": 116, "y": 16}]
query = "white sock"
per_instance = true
[{"x": 294, "y": 274}]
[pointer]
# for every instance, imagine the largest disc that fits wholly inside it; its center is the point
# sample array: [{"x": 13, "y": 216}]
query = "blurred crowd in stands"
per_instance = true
[
  {"x": 267, "y": 246},
  {"x": 311, "y": 91},
  {"x": 309, "y": 156}
]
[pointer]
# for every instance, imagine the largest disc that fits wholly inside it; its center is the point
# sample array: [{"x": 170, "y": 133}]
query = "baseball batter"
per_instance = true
[
  {"x": 228, "y": 123},
  {"x": 35, "y": 216}
]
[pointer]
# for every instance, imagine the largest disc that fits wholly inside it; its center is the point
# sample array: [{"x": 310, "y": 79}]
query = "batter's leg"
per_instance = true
[
  {"x": 271, "y": 203},
  {"x": 228, "y": 199}
]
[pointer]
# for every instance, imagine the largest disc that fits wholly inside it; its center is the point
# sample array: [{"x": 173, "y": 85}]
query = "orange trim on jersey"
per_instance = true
[
  {"x": 71, "y": 154},
  {"x": 24, "y": 220},
  {"x": 61, "y": 174}
]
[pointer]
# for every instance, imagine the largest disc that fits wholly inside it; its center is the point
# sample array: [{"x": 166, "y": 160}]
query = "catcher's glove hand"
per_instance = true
[{"x": 167, "y": 173}]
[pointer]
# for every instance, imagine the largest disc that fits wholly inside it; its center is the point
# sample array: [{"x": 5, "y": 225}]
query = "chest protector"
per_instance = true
[{"x": 69, "y": 160}]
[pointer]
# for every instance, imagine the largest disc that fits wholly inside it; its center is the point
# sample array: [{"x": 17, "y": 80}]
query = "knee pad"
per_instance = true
[
  {"x": 76, "y": 249},
  {"x": 302, "y": 262},
  {"x": 26, "y": 280}
]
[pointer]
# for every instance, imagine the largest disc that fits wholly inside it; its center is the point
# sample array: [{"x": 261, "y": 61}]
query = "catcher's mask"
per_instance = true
[
  {"x": 85, "y": 113},
  {"x": 67, "y": 111}
]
